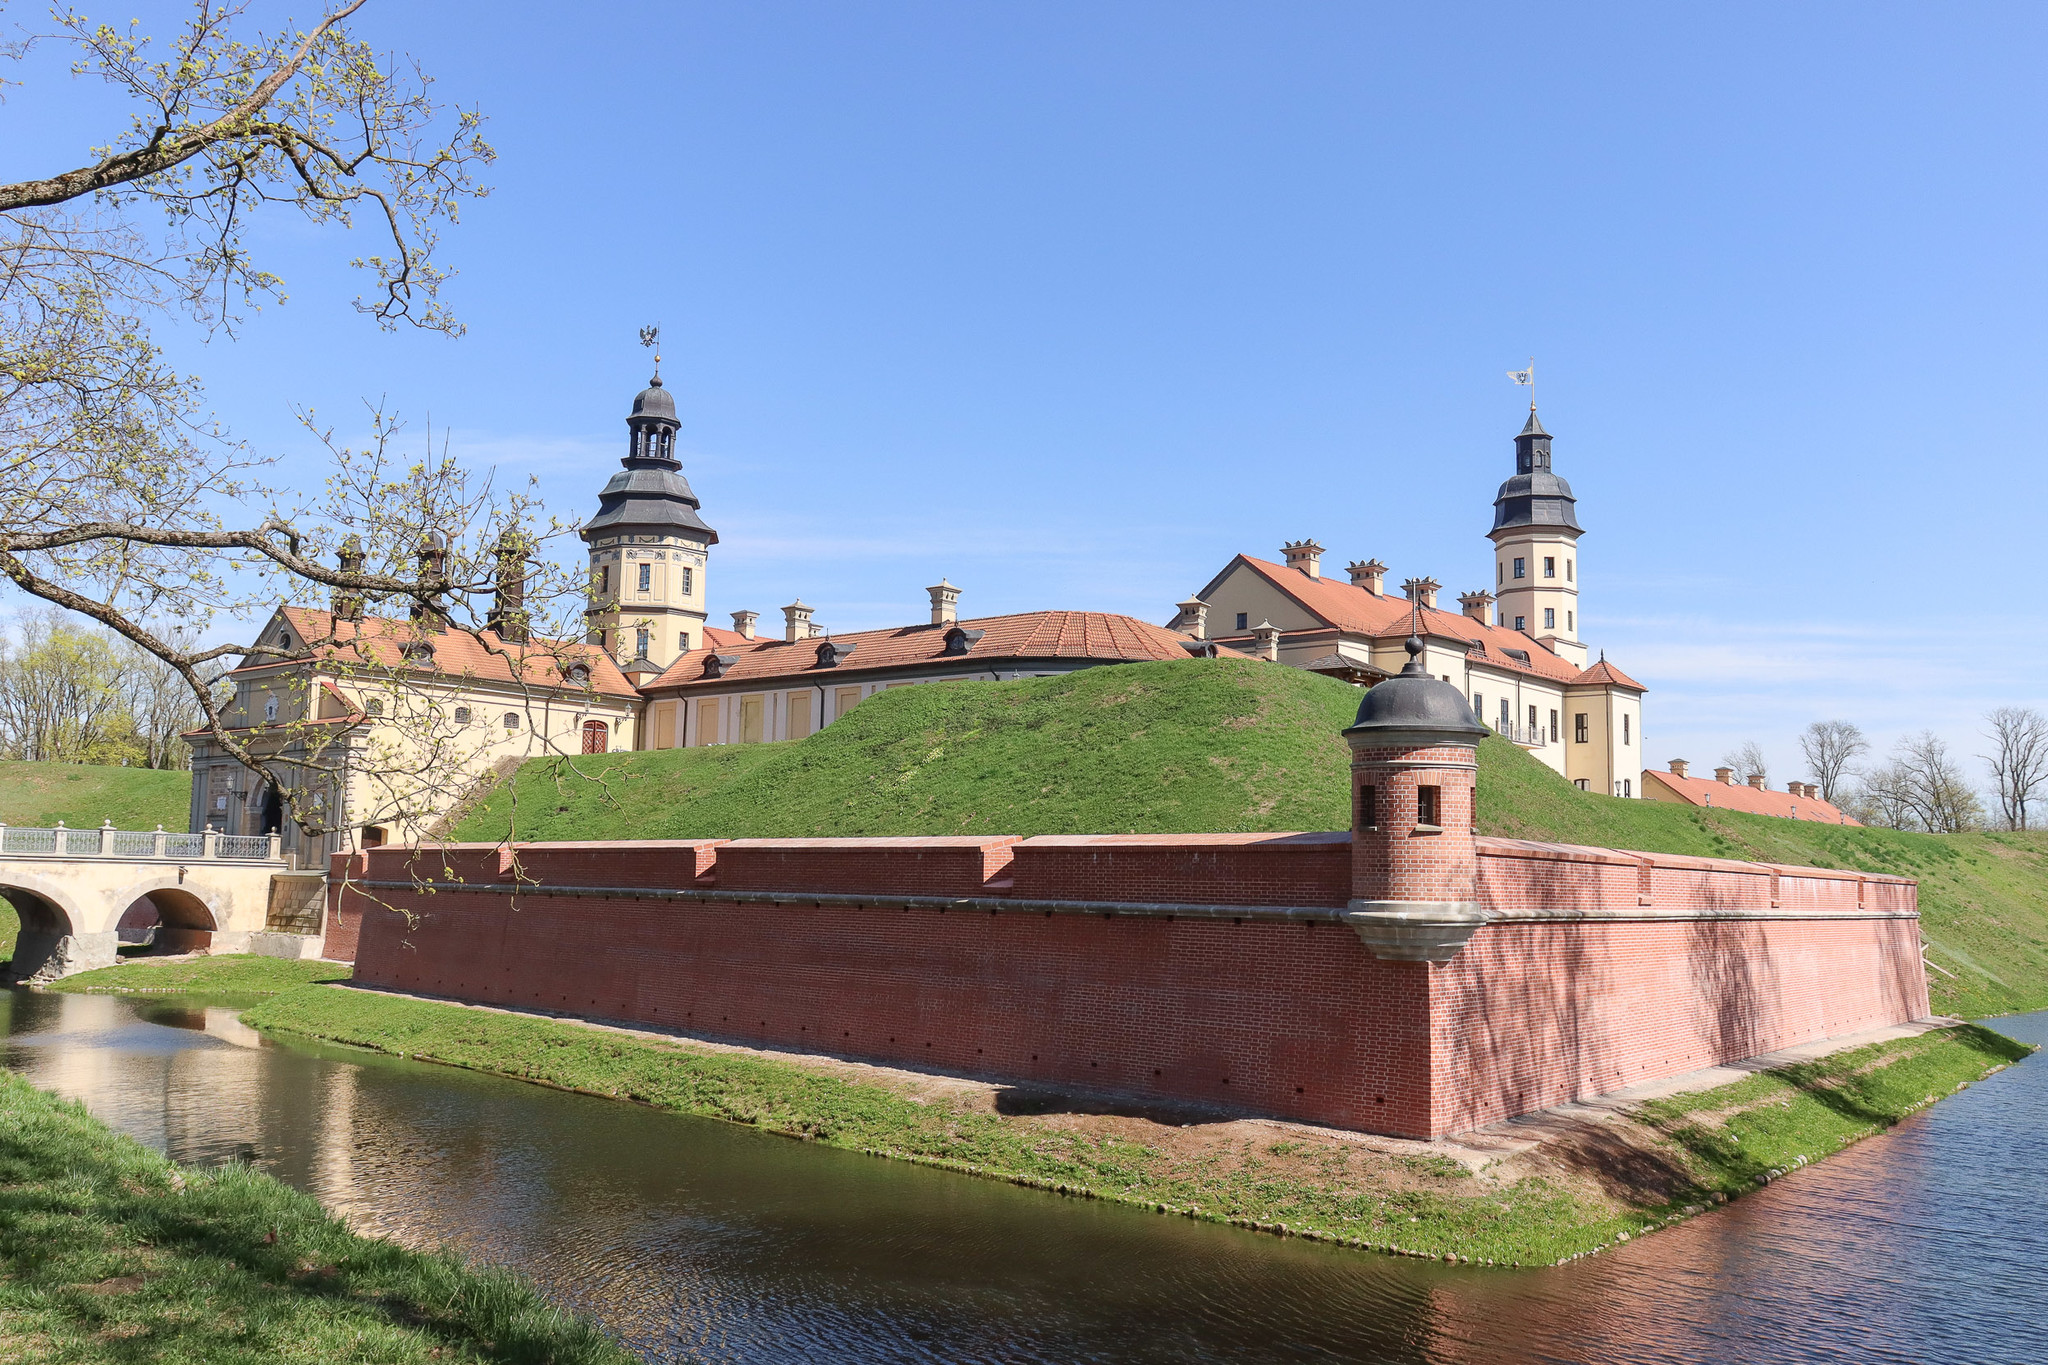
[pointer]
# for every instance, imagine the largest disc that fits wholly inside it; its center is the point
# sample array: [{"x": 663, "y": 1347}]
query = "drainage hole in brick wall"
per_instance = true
[
  {"x": 1237, "y": 919},
  {"x": 1379, "y": 1099},
  {"x": 1297, "y": 1090},
  {"x": 1155, "y": 1071},
  {"x": 1092, "y": 1063},
  {"x": 1226, "y": 1080},
  {"x": 1034, "y": 1056}
]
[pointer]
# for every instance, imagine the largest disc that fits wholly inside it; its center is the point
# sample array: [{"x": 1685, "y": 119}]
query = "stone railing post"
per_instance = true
[
  {"x": 208, "y": 843},
  {"x": 276, "y": 841},
  {"x": 106, "y": 838},
  {"x": 1414, "y": 867},
  {"x": 3, "y": 842},
  {"x": 156, "y": 847},
  {"x": 60, "y": 840}
]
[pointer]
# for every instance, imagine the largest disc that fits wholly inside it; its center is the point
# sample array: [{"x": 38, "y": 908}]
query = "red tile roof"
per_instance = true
[
  {"x": 1351, "y": 608},
  {"x": 1095, "y": 635},
  {"x": 457, "y": 653},
  {"x": 1703, "y": 791},
  {"x": 1604, "y": 672}
]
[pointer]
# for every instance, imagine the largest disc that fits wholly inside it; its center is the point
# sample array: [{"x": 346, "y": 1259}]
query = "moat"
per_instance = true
[{"x": 696, "y": 1240}]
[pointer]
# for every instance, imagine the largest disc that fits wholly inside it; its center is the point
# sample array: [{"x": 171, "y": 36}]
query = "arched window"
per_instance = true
[
  {"x": 374, "y": 707},
  {"x": 462, "y": 715},
  {"x": 597, "y": 737},
  {"x": 511, "y": 720}
]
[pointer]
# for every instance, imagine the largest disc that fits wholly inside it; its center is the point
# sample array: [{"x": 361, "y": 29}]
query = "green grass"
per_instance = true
[
  {"x": 110, "y": 1253},
  {"x": 1208, "y": 745},
  {"x": 230, "y": 974},
  {"x": 83, "y": 796},
  {"x": 1332, "y": 1190}
]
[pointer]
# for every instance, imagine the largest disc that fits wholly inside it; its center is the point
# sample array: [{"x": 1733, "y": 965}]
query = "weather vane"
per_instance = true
[
  {"x": 1527, "y": 378},
  {"x": 651, "y": 336}
]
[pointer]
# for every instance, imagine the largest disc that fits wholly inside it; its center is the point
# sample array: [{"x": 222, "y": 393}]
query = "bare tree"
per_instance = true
[
  {"x": 1748, "y": 761},
  {"x": 59, "y": 696},
  {"x": 1832, "y": 748},
  {"x": 2018, "y": 759},
  {"x": 1921, "y": 786},
  {"x": 122, "y": 499}
]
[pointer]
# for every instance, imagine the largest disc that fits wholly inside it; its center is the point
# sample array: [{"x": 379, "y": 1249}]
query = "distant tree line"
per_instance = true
[
  {"x": 73, "y": 694},
  {"x": 1922, "y": 784}
]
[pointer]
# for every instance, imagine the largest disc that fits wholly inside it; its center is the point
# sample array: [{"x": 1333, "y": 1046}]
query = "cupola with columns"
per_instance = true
[{"x": 649, "y": 548}]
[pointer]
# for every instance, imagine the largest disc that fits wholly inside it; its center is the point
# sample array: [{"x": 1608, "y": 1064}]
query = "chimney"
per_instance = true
[
  {"x": 1423, "y": 590},
  {"x": 1796, "y": 788},
  {"x": 1369, "y": 575},
  {"x": 1193, "y": 618},
  {"x": 427, "y": 609},
  {"x": 1678, "y": 767},
  {"x": 508, "y": 607},
  {"x": 1477, "y": 605},
  {"x": 1756, "y": 780},
  {"x": 1725, "y": 776},
  {"x": 743, "y": 623},
  {"x": 1266, "y": 641},
  {"x": 796, "y": 621},
  {"x": 348, "y": 604},
  {"x": 1812, "y": 792},
  {"x": 1304, "y": 555},
  {"x": 945, "y": 603}
]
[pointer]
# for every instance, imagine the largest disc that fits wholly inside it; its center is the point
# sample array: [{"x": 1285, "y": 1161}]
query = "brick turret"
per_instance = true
[{"x": 1413, "y": 770}]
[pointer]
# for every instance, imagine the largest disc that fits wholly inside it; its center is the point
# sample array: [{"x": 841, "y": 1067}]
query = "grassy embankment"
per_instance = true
[
  {"x": 1225, "y": 745},
  {"x": 230, "y": 974},
  {"x": 83, "y": 796},
  {"x": 110, "y": 1253},
  {"x": 1688, "y": 1152}
]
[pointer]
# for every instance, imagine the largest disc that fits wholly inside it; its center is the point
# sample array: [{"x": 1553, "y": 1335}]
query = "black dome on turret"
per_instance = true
[
  {"x": 1534, "y": 496},
  {"x": 654, "y": 401},
  {"x": 650, "y": 496},
  {"x": 1413, "y": 700}
]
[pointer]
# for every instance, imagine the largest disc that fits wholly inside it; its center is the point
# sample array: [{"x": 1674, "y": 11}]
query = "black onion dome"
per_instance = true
[
  {"x": 655, "y": 401},
  {"x": 1413, "y": 700},
  {"x": 1535, "y": 496}
]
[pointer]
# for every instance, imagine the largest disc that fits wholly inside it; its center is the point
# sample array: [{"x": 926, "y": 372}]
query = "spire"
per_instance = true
[
  {"x": 1533, "y": 427},
  {"x": 1534, "y": 496}
]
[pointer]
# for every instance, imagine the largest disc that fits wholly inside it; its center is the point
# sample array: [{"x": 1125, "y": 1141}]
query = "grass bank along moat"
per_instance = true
[
  {"x": 109, "y": 1252},
  {"x": 1671, "y": 1159}
]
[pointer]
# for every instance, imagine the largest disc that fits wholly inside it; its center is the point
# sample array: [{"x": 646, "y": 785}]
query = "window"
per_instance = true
[
  {"x": 640, "y": 639},
  {"x": 1522, "y": 623},
  {"x": 1507, "y": 720},
  {"x": 1243, "y": 621},
  {"x": 462, "y": 715},
  {"x": 1479, "y": 705},
  {"x": 1521, "y": 567},
  {"x": 1626, "y": 788},
  {"x": 284, "y": 639},
  {"x": 1571, "y": 621},
  {"x": 597, "y": 737},
  {"x": 1582, "y": 732},
  {"x": 1553, "y": 727},
  {"x": 604, "y": 580},
  {"x": 270, "y": 708},
  {"x": 1500, "y": 573},
  {"x": 511, "y": 720},
  {"x": 1427, "y": 803},
  {"x": 646, "y": 577},
  {"x": 683, "y": 641},
  {"x": 689, "y": 581},
  {"x": 1550, "y": 618},
  {"x": 1624, "y": 729},
  {"x": 374, "y": 707},
  {"x": 1550, "y": 566},
  {"x": 1368, "y": 812},
  {"x": 1584, "y": 784},
  {"x": 1532, "y": 723},
  {"x": 1568, "y": 571}
]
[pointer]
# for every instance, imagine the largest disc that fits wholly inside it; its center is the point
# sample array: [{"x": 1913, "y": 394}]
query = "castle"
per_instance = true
[{"x": 382, "y": 720}]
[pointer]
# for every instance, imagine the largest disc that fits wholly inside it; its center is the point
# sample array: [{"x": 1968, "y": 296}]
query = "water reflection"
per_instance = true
[{"x": 701, "y": 1241}]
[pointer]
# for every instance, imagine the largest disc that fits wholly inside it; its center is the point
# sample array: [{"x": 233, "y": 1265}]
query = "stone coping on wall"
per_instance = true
[{"x": 1537, "y": 851}]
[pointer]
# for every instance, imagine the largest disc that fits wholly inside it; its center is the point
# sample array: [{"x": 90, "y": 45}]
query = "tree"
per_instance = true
[
  {"x": 1920, "y": 787},
  {"x": 2018, "y": 759},
  {"x": 122, "y": 498},
  {"x": 59, "y": 702},
  {"x": 1748, "y": 761},
  {"x": 1831, "y": 747}
]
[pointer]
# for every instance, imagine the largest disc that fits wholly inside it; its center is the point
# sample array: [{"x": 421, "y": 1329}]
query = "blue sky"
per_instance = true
[{"x": 1071, "y": 302}]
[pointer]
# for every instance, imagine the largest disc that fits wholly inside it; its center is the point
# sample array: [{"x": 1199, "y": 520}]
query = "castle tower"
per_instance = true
[
  {"x": 1536, "y": 548},
  {"x": 1414, "y": 770},
  {"x": 648, "y": 546}
]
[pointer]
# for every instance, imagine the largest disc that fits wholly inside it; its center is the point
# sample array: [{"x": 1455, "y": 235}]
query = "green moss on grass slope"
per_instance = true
[
  {"x": 1206, "y": 745},
  {"x": 1719, "y": 1142},
  {"x": 110, "y": 1253}
]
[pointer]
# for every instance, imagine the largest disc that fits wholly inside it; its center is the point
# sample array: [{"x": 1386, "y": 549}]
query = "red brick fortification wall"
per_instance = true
[
  {"x": 1228, "y": 976},
  {"x": 1274, "y": 1014}
]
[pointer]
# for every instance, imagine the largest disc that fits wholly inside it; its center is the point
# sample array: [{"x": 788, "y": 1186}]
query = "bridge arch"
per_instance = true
[
  {"x": 57, "y": 936},
  {"x": 185, "y": 919}
]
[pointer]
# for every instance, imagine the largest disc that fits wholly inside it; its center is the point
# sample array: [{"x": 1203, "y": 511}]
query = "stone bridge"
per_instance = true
[{"x": 223, "y": 892}]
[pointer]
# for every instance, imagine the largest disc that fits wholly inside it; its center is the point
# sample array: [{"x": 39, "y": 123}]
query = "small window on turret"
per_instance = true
[
  {"x": 604, "y": 581},
  {"x": 646, "y": 577},
  {"x": 1521, "y": 567},
  {"x": 1368, "y": 807},
  {"x": 689, "y": 581},
  {"x": 1427, "y": 802},
  {"x": 1550, "y": 566},
  {"x": 1567, "y": 571}
]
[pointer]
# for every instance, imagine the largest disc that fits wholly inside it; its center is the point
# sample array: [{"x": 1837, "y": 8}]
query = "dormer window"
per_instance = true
[
  {"x": 284, "y": 640},
  {"x": 578, "y": 674},
  {"x": 959, "y": 640},
  {"x": 418, "y": 651},
  {"x": 832, "y": 652},
  {"x": 270, "y": 708},
  {"x": 716, "y": 664}
]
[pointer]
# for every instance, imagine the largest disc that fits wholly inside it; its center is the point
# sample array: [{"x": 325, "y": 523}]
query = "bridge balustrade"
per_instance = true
[{"x": 108, "y": 842}]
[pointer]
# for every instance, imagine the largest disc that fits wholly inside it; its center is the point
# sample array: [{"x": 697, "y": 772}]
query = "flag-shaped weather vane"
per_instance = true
[
  {"x": 651, "y": 336},
  {"x": 1527, "y": 379}
]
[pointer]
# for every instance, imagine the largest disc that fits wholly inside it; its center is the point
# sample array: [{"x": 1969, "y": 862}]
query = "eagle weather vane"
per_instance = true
[
  {"x": 1525, "y": 378},
  {"x": 651, "y": 336}
]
